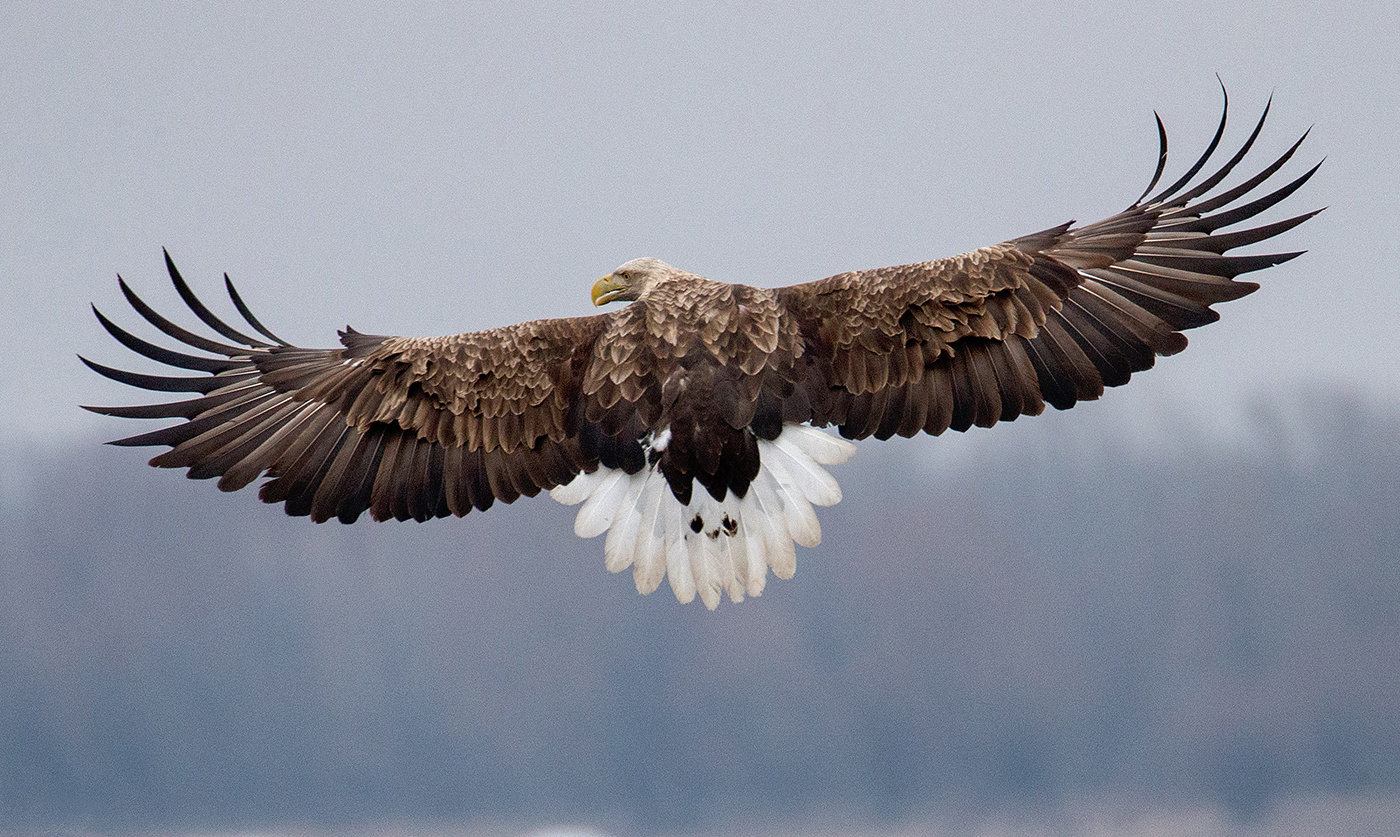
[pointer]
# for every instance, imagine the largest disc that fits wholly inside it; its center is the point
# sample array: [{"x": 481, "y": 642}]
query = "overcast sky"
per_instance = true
[{"x": 432, "y": 169}]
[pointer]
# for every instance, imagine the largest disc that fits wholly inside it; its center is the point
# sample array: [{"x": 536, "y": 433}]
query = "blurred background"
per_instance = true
[{"x": 1176, "y": 609}]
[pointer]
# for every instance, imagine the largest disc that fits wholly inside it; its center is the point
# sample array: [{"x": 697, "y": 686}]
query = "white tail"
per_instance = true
[{"x": 712, "y": 546}]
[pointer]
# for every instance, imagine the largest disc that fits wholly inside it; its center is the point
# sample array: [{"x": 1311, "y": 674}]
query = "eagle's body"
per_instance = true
[{"x": 685, "y": 422}]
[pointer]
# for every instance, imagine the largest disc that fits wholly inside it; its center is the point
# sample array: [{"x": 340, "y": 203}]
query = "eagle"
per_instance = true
[{"x": 692, "y": 425}]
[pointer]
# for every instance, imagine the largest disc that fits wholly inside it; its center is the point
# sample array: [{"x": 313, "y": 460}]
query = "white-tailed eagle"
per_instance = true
[{"x": 686, "y": 423}]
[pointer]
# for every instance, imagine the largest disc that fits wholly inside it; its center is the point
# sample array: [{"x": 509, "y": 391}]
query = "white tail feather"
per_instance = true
[
  {"x": 677, "y": 555},
  {"x": 602, "y": 505},
  {"x": 821, "y": 447},
  {"x": 578, "y": 489},
  {"x": 711, "y": 547},
  {"x": 650, "y": 565},
  {"x": 816, "y": 484}
]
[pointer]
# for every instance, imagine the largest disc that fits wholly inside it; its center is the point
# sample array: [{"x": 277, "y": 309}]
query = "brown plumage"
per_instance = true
[{"x": 696, "y": 381}]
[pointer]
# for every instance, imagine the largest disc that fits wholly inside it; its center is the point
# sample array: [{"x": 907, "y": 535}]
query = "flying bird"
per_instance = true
[{"x": 688, "y": 424}]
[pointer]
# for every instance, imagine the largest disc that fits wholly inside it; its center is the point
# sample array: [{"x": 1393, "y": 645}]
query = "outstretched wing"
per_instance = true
[
  {"x": 406, "y": 428},
  {"x": 1051, "y": 317}
]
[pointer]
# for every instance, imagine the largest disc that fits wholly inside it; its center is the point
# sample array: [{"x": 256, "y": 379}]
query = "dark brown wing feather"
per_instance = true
[
  {"x": 404, "y": 428},
  {"x": 1053, "y": 317}
]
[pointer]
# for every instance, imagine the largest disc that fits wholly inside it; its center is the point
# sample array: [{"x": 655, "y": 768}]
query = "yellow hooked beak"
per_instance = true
[{"x": 607, "y": 289}]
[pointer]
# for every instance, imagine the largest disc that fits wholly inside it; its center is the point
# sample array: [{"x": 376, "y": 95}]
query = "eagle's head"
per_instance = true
[{"x": 631, "y": 280}]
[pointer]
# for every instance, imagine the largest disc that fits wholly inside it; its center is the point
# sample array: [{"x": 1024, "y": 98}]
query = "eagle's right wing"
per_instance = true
[{"x": 401, "y": 427}]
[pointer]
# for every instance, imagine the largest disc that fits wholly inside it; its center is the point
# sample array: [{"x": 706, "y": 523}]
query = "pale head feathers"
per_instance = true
[{"x": 632, "y": 280}]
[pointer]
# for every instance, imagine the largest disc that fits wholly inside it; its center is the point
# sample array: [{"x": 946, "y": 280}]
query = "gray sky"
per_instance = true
[{"x": 419, "y": 170}]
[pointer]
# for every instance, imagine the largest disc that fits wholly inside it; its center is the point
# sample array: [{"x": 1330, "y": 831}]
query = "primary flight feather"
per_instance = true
[{"x": 685, "y": 423}]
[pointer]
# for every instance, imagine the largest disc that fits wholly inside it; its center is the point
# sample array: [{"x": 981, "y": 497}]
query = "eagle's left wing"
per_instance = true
[{"x": 1051, "y": 317}]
